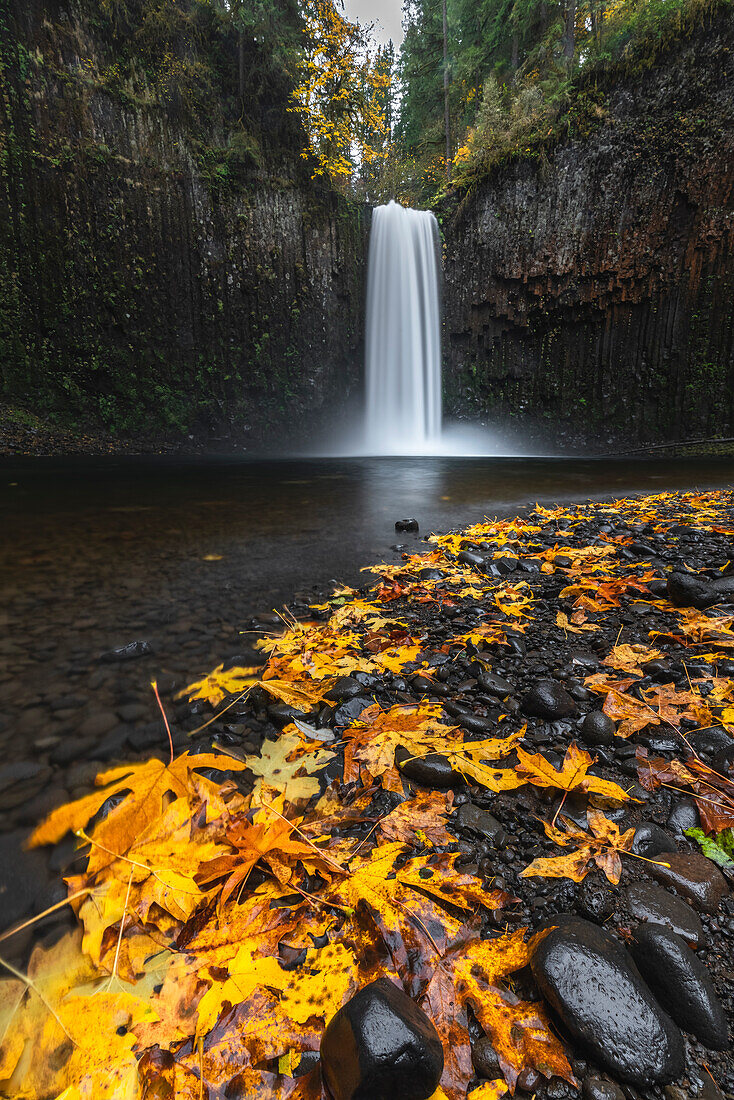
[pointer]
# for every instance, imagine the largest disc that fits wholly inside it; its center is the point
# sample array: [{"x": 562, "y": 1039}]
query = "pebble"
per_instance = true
[
  {"x": 647, "y": 902},
  {"x": 694, "y": 876},
  {"x": 381, "y": 1044},
  {"x": 98, "y": 723},
  {"x": 20, "y": 772},
  {"x": 650, "y": 840},
  {"x": 593, "y": 985},
  {"x": 349, "y": 712},
  {"x": 595, "y": 900},
  {"x": 681, "y": 983},
  {"x": 484, "y": 1058},
  {"x": 684, "y": 815},
  {"x": 433, "y": 770},
  {"x": 597, "y": 728},
  {"x": 345, "y": 688},
  {"x": 547, "y": 699},
  {"x": 601, "y": 1088},
  {"x": 477, "y": 820},
  {"x": 494, "y": 684}
]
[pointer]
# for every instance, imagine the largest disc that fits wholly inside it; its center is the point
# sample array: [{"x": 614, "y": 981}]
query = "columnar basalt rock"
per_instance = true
[
  {"x": 152, "y": 279},
  {"x": 589, "y": 289}
]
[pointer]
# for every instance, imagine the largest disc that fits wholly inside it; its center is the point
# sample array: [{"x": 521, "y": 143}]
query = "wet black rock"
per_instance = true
[
  {"x": 597, "y": 729},
  {"x": 650, "y": 840},
  {"x": 494, "y": 684},
  {"x": 406, "y": 525},
  {"x": 595, "y": 900},
  {"x": 475, "y": 723},
  {"x": 547, "y": 699},
  {"x": 694, "y": 876},
  {"x": 659, "y": 671},
  {"x": 684, "y": 815},
  {"x": 647, "y": 902},
  {"x": 476, "y": 820},
  {"x": 708, "y": 742},
  {"x": 601, "y": 1088},
  {"x": 484, "y": 1058},
  {"x": 593, "y": 985},
  {"x": 693, "y": 590},
  {"x": 345, "y": 688},
  {"x": 681, "y": 983},
  {"x": 428, "y": 574},
  {"x": 381, "y": 1046},
  {"x": 350, "y": 711},
  {"x": 657, "y": 741},
  {"x": 469, "y": 557},
  {"x": 280, "y": 714},
  {"x": 433, "y": 770},
  {"x": 127, "y": 652}
]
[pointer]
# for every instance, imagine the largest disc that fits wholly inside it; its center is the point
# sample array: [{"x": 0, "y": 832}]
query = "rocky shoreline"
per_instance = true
[{"x": 541, "y": 711}]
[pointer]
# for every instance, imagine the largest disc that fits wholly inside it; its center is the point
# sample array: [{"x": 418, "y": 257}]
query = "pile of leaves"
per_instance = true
[{"x": 228, "y": 907}]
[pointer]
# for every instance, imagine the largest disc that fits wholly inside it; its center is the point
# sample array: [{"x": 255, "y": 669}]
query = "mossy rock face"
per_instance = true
[
  {"x": 166, "y": 265},
  {"x": 591, "y": 299}
]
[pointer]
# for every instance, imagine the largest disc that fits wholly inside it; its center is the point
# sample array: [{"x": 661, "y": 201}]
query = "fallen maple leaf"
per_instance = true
[
  {"x": 520, "y": 1032},
  {"x": 421, "y": 817},
  {"x": 143, "y": 791},
  {"x": 535, "y": 769},
  {"x": 600, "y": 847},
  {"x": 220, "y": 683}
]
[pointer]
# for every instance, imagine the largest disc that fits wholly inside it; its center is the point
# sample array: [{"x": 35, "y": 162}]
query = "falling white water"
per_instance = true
[{"x": 403, "y": 341}]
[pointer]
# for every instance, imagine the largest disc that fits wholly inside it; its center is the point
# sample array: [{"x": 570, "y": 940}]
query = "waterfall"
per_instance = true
[{"x": 403, "y": 341}]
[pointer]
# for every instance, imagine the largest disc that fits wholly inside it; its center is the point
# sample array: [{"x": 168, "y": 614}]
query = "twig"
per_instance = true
[
  {"x": 154, "y": 685},
  {"x": 219, "y": 713}
]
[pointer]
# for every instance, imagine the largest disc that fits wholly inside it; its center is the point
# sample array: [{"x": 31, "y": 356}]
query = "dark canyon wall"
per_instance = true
[
  {"x": 162, "y": 270},
  {"x": 590, "y": 293}
]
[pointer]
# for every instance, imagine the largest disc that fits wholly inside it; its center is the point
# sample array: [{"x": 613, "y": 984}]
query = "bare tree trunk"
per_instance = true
[
  {"x": 446, "y": 114},
  {"x": 241, "y": 51},
  {"x": 569, "y": 37}
]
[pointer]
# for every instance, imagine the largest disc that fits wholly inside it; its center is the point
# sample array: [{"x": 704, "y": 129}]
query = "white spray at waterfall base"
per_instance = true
[{"x": 403, "y": 338}]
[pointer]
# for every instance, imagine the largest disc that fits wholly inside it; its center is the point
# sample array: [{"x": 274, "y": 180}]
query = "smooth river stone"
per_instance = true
[
  {"x": 547, "y": 699},
  {"x": 432, "y": 770},
  {"x": 380, "y": 1046},
  {"x": 658, "y": 906},
  {"x": 694, "y": 876},
  {"x": 681, "y": 983},
  {"x": 590, "y": 980}
]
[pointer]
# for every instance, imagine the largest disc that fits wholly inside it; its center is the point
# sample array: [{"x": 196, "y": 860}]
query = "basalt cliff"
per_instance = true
[{"x": 589, "y": 290}]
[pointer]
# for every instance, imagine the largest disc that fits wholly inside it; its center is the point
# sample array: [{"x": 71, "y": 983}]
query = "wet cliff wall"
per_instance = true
[
  {"x": 590, "y": 292},
  {"x": 166, "y": 268}
]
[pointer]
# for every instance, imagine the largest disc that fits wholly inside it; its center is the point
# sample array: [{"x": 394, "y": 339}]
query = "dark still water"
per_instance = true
[{"x": 98, "y": 553}]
